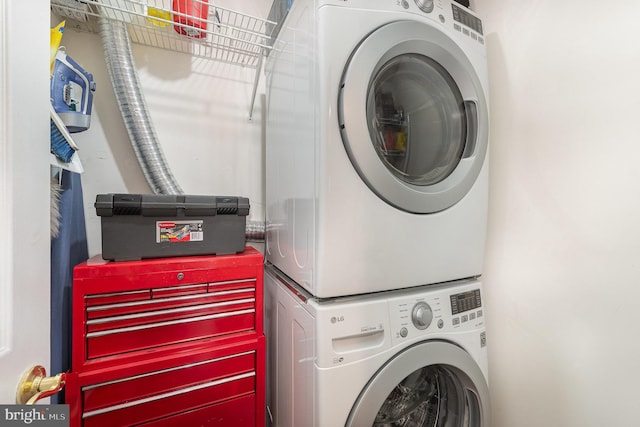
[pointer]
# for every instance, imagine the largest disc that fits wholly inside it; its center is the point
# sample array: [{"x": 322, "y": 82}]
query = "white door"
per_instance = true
[
  {"x": 434, "y": 383},
  {"x": 24, "y": 191},
  {"x": 416, "y": 130}
]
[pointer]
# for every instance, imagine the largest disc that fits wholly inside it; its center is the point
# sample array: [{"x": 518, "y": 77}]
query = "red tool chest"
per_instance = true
[{"x": 168, "y": 342}]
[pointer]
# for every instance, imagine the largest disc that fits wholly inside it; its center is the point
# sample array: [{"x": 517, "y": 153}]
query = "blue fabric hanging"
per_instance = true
[{"x": 68, "y": 249}]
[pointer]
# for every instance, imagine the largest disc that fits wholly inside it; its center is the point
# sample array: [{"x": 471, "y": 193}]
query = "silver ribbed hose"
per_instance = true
[
  {"x": 255, "y": 231},
  {"x": 124, "y": 79},
  {"x": 117, "y": 53}
]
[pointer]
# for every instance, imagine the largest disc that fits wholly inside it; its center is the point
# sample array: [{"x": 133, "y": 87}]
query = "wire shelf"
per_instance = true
[{"x": 203, "y": 30}]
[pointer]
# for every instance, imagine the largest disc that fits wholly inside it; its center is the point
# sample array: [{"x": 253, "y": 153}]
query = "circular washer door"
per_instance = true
[
  {"x": 434, "y": 383},
  {"x": 416, "y": 126}
]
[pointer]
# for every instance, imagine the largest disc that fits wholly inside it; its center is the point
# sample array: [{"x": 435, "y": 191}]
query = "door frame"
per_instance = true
[
  {"x": 6, "y": 255},
  {"x": 24, "y": 192}
]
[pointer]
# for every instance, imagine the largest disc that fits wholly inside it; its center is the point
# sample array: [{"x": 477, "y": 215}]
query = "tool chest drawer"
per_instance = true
[
  {"x": 222, "y": 384},
  {"x": 124, "y": 310}
]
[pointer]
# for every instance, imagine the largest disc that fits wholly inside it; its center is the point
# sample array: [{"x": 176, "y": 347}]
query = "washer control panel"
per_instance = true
[
  {"x": 462, "y": 16},
  {"x": 443, "y": 309},
  {"x": 355, "y": 328},
  {"x": 450, "y": 12},
  {"x": 467, "y": 24},
  {"x": 465, "y": 301}
]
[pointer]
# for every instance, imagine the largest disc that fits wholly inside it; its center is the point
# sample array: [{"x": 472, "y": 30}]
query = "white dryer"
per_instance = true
[
  {"x": 400, "y": 358},
  {"x": 376, "y": 145}
]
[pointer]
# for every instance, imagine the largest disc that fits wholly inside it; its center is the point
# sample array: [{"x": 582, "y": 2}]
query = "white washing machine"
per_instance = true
[
  {"x": 376, "y": 145},
  {"x": 401, "y": 358}
]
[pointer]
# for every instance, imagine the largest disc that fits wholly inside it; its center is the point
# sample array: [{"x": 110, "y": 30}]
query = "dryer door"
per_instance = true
[
  {"x": 432, "y": 384},
  {"x": 413, "y": 117}
]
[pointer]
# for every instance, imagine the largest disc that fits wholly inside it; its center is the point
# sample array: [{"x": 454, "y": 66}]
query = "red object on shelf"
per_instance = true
[
  {"x": 191, "y": 17},
  {"x": 170, "y": 341}
]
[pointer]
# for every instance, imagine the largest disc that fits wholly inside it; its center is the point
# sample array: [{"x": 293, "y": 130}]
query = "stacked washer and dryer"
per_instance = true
[{"x": 377, "y": 192}]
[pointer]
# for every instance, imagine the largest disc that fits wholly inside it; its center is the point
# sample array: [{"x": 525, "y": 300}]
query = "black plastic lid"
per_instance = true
[{"x": 154, "y": 205}]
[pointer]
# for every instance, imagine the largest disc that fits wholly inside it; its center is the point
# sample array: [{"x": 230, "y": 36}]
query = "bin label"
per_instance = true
[{"x": 179, "y": 231}]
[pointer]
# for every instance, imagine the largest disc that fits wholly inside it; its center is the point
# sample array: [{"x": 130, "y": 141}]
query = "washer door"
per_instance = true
[
  {"x": 432, "y": 384},
  {"x": 413, "y": 117}
]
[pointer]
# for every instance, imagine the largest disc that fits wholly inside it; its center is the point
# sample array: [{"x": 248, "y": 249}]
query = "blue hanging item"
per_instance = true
[
  {"x": 62, "y": 144},
  {"x": 68, "y": 249},
  {"x": 72, "y": 92}
]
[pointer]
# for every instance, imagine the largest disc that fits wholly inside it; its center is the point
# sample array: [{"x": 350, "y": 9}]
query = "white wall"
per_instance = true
[
  {"x": 563, "y": 256},
  {"x": 200, "y": 111}
]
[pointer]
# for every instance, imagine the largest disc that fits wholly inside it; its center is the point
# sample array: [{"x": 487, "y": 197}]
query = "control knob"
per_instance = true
[
  {"x": 425, "y": 5},
  {"x": 421, "y": 315}
]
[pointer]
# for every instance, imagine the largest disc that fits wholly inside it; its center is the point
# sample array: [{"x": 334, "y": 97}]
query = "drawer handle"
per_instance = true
[
  {"x": 166, "y": 395},
  {"x": 176, "y": 370},
  {"x": 173, "y": 322},
  {"x": 149, "y": 314},
  {"x": 165, "y": 300}
]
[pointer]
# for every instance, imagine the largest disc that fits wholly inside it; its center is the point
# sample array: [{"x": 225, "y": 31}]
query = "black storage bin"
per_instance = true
[{"x": 137, "y": 226}]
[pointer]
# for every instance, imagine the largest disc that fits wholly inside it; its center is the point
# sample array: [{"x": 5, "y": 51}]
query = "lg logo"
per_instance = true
[{"x": 336, "y": 319}]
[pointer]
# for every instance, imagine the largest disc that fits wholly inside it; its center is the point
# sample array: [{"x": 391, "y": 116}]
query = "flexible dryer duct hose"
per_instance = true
[
  {"x": 117, "y": 52},
  {"x": 124, "y": 79}
]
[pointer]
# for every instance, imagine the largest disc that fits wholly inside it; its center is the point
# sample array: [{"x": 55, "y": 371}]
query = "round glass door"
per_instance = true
[
  {"x": 431, "y": 384},
  {"x": 416, "y": 118},
  {"x": 431, "y": 396},
  {"x": 413, "y": 117}
]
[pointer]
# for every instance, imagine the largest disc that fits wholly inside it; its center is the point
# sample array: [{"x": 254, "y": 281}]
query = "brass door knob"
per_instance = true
[{"x": 36, "y": 385}]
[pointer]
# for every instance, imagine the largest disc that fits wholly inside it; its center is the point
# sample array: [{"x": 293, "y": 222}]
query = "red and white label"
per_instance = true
[{"x": 179, "y": 231}]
